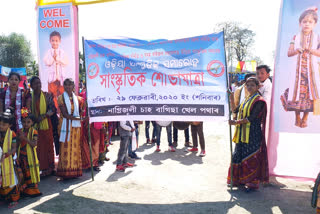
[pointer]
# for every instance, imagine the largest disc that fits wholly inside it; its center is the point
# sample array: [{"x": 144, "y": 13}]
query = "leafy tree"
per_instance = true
[
  {"x": 15, "y": 51},
  {"x": 82, "y": 70},
  {"x": 33, "y": 69},
  {"x": 239, "y": 40}
]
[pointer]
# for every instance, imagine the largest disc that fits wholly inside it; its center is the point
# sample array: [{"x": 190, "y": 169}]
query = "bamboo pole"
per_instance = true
[
  {"x": 87, "y": 114},
  {"x": 230, "y": 130}
]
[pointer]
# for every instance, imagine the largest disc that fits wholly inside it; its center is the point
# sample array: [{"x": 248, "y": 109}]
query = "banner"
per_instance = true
[
  {"x": 75, "y": 2},
  {"x": 5, "y": 71},
  {"x": 181, "y": 79},
  {"x": 292, "y": 152},
  {"x": 297, "y": 94},
  {"x": 58, "y": 47},
  {"x": 246, "y": 66}
]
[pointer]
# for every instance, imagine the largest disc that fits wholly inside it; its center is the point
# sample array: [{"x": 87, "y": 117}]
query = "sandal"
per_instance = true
[
  {"x": 96, "y": 168},
  {"x": 247, "y": 189},
  {"x": 12, "y": 204}
]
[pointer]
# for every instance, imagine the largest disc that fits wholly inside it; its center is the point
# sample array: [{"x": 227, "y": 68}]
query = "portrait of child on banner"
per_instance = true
[
  {"x": 55, "y": 62},
  {"x": 302, "y": 95},
  {"x": 57, "y": 50}
]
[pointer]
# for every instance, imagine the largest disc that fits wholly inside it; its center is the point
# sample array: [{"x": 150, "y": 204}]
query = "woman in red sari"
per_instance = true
[
  {"x": 85, "y": 150},
  {"x": 42, "y": 107},
  {"x": 250, "y": 160}
]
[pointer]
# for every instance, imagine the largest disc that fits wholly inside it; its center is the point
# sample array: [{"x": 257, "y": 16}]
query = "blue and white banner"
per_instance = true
[
  {"x": 180, "y": 80},
  {"x": 5, "y": 71}
]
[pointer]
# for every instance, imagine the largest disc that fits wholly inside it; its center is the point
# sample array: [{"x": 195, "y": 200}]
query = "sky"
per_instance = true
[{"x": 156, "y": 19}]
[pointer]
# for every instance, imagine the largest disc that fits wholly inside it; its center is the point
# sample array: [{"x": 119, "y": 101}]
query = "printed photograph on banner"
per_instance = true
[
  {"x": 57, "y": 58},
  {"x": 297, "y": 77},
  {"x": 159, "y": 80}
]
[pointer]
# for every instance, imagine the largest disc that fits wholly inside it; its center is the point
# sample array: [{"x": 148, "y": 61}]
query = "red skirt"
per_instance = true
[{"x": 45, "y": 151}]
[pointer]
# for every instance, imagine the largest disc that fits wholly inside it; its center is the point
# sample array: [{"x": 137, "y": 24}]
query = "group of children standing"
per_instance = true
[{"x": 19, "y": 163}]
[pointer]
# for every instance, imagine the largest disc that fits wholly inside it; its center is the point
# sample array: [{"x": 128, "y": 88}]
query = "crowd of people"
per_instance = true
[{"x": 34, "y": 129}]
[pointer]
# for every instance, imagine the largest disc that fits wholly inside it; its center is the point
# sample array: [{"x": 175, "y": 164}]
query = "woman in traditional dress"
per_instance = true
[
  {"x": 84, "y": 144},
  {"x": 250, "y": 160},
  {"x": 42, "y": 107},
  {"x": 71, "y": 107},
  {"x": 13, "y": 98},
  {"x": 27, "y": 155},
  {"x": 85, "y": 150}
]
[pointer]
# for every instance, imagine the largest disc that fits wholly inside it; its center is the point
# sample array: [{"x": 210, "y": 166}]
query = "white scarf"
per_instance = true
[
  {"x": 65, "y": 133},
  {"x": 18, "y": 106}
]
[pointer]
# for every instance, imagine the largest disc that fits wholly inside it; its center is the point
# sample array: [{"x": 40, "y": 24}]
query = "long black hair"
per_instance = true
[
  {"x": 12, "y": 73},
  {"x": 7, "y": 117}
]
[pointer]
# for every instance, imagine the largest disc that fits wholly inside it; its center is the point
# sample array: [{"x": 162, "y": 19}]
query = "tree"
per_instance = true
[
  {"x": 15, "y": 51},
  {"x": 82, "y": 70},
  {"x": 238, "y": 38},
  {"x": 33, "y": 68}
]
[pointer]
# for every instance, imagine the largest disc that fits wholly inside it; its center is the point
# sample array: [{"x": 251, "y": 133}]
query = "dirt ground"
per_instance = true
[{"x": 166, "y": 182}]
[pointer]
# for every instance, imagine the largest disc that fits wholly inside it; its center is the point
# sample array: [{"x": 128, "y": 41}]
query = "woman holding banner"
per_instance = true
[
  {"x": 42, "y": 107},
  {"x": 13, "y": 98},
  {"x": 71, "y": 107},
  {"x": 250, "y": 160}
]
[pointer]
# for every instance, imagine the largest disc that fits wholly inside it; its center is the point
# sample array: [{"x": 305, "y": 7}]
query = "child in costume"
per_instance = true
[
  {"x": 27, "y": 155},
  {"x": 9, "y": 189},
  {"x": 55, "y": 62},
  {"x": 303, "y": 96}
]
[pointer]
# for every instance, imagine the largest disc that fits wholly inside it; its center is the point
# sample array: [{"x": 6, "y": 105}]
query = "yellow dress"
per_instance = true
[{"x": 70, "y": 165}]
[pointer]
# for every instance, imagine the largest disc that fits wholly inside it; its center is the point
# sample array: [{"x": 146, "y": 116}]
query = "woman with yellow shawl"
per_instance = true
[
  {"x": 9, "y": 189},
  {"x": 71, "y": 107},
  {"x": 27, "y": 155},
  {"x": 42, "y": 107},
  {"x": 250, "y": 160}
]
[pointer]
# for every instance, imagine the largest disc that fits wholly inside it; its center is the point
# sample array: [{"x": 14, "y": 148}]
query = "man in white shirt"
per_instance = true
[{"x": 263, "y": 74}]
